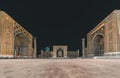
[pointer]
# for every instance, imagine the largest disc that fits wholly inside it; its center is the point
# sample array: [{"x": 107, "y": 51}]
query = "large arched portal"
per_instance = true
[
  {"x": 98, "y": 45},
  {"x": 21, "y": 46}
]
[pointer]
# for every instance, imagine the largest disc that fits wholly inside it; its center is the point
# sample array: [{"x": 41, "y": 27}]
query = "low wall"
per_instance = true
[{"x": 73, "y": 54}]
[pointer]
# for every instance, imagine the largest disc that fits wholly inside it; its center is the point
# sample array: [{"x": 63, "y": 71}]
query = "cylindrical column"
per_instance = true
[
  {"x": 78, "y": 53},
  {"x": 83, "y": 47},
  {"x": 35, "y": 48}
]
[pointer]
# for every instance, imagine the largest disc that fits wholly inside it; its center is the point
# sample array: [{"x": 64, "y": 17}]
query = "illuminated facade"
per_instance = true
[
  {"x": 104, "y": 39},
  {"x": 15, "y": 41}
]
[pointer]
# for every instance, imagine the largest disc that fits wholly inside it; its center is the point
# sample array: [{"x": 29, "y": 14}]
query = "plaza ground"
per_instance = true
[{"x": 59, "y": 68}]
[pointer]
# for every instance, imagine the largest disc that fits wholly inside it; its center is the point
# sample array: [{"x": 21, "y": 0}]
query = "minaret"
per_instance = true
[
  {"x": 35, "y": 48},
  {"x": 83, "y": 47}
]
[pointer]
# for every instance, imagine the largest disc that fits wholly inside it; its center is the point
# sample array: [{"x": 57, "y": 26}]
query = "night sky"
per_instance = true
[{"x": 59, "y": 22}]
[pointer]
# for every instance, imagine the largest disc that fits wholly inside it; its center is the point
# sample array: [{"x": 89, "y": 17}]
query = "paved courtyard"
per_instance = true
[{"x": 59, "y": 68}]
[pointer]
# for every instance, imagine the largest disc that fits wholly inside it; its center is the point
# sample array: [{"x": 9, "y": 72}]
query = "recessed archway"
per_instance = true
[
  {"x": 98, "y": 45},
  {"x": 21, "y": 46},
  {"x": 60, "y": 52}
]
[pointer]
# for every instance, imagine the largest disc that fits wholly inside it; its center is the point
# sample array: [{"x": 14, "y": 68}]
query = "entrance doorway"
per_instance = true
[
  {"x": 98, "y": 45},
  {"x": 20, "y": 46},
  {"x": 60, "y": 52}
]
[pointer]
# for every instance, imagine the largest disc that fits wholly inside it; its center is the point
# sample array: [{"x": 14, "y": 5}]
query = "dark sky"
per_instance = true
[{"x": 59, "y": 22}]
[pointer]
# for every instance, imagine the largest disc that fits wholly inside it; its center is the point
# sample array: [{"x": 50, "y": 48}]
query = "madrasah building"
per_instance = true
[
  {"x": 104, "y": 39},
  {"x": 15, "y": 41}
]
